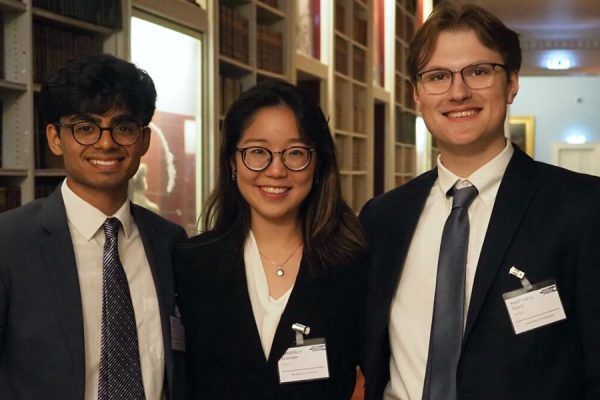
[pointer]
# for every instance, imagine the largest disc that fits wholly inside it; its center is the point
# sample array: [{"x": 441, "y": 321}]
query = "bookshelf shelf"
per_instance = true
[
  {"x": 12, "y": 6},
  {"x": 13, "y": 172},
  {"x": 8, "y": 86},
  {"x": 71, "y": 23},
  {"x": 266, "y": 14},
  {"x": 262, "y": 74},
  {"x": 50, "y": 172},
  {"x": 233, "y": 68}
]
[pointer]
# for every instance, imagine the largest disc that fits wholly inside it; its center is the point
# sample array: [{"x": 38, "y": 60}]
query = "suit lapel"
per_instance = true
[
  {"x": 57, "y": 247},
  {"x": 514, "y": 195},
  {"x": 299, "y": 308}
]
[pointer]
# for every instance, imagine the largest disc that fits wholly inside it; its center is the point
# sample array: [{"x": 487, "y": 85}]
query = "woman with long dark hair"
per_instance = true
[{"x": 271, "y": 294}]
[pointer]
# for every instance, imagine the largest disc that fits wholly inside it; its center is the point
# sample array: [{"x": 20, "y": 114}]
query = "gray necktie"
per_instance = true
[
  {"x": 120, "y": 370},
  {"x": 448, "y": 309}
]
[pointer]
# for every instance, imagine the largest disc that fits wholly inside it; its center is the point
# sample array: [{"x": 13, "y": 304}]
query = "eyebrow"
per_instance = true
[
  {"x": 290, "y": 142},
  {"x": 91, "y": 118}
]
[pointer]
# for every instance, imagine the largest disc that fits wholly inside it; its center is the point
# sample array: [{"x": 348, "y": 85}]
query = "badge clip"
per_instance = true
[
  {"x": 300, "y": 330},
  {"x": 514, "y": 271}
]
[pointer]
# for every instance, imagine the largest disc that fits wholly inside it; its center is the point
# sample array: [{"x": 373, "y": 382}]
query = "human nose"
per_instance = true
[
  {"x": 458, "y": 88},
  {"x": 106, "y": 140},
  {"x": 276, "y": 167}
]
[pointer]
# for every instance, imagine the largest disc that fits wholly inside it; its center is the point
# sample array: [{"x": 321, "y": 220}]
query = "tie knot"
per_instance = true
[
  {"x": 463, "y": 197},
  {"x": 111, "y": 227}
]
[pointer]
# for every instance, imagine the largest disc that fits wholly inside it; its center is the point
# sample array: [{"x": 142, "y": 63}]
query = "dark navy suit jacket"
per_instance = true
[
  {"x": 546, "y": 221},
  {"x": 225, "y": 359},
  {"x": 41, "y": 324}
]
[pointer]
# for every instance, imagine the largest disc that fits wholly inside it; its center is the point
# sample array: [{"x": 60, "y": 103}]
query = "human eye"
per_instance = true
[
  {"x": 479, "y": 70},
  {"x": 297, "y": 152},
  {"x": 125, "y": 129},
  {"x": 85, "y": 128},
  {"x": 256, "y": 151},
  {"x": 437, "y": 76}
]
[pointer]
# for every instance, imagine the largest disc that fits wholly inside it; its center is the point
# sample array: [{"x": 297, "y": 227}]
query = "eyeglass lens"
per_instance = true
[{"x": 259, "y": 158}]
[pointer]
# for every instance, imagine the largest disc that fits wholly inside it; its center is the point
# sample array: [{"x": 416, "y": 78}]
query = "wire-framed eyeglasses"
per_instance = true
[
  {"x": 475, "y": 76},
  {"x": 88, "y": 133},
  {"x": 257, "y": 158}
]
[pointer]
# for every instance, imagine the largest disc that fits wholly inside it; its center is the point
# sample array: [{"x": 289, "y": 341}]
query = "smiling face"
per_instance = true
[
  {"x": 274, "y": 194},
  {"x": 98, "y": 173},
  {"x": 466, "y": 122}
]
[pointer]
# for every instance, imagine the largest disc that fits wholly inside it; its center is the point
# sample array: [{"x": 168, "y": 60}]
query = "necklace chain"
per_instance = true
[{"x": 279, "y": 270}]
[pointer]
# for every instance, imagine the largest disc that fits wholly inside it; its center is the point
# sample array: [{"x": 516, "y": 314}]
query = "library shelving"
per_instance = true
[
  {"x": 404, "y": 145},
  {"x": 253, "y": 39},
  {"x": 342, "y": 51},
  {"x": 39, "y": 36},
  {"x": 351, "y": 93}
]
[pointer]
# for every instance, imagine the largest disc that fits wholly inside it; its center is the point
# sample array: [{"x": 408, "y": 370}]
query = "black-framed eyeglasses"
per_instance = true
[
  {"x": 88, "y": 133},
  {"x": 257, "y": 158},
  {"x": 475, "y": 76}
]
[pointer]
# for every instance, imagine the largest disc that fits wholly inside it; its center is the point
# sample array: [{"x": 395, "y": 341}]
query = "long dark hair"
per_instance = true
[{"x": 331, "y": 232}]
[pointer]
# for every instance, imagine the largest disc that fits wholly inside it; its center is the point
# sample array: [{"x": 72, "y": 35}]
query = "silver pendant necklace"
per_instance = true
[{"x": 279, "y": 267}]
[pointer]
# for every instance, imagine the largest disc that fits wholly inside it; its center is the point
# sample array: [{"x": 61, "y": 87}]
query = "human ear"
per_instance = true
[{"x": 54, "y": 141}]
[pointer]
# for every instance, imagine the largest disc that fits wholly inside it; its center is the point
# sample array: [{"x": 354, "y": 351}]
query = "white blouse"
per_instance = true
[{"x": 267, "y": 310}]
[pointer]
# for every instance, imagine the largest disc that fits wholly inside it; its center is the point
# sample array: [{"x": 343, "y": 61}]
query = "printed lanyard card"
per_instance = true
[
  {"x": 534, "y": 306},
  {"x": 305, "y": 362}
]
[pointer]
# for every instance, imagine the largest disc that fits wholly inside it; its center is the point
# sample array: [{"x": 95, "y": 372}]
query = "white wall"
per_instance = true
[{"x": 565, "y": 108}]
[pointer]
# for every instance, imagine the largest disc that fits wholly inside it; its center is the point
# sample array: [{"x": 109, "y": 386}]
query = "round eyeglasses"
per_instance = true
[
  {"x": 476, "y": 76},
  {"x": 88, "y": 133},
  {"x": 258, "y": 158}
]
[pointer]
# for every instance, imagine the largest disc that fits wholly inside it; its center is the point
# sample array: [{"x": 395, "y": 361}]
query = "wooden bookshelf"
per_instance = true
[
  {"x": 404, "y": 141},
  {"x": 247, "y": 41},
  {"x": 351, "y": 93},
  {"x": 252, "y": 45}
]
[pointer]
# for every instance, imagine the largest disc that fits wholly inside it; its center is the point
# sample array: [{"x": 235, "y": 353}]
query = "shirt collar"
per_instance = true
[
  {"x": 486, "y": 179},
  {"x": 87, "y": 219}
]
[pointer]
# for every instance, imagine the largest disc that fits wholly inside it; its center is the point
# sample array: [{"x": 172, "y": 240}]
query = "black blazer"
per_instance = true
[
  {"x": 41, "y": 324},
  {"x": 224, "y": 357},
  {"x": 546, "y": 221}
]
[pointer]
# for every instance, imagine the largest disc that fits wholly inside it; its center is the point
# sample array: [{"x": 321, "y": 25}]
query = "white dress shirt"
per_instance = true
[
  {"x": 412, "y": 306},
  {"x": 85, "y": 225},
  {"x": 267, "y": 310}
]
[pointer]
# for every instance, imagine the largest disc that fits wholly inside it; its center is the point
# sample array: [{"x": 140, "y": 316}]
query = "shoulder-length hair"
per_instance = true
[{"x": 331, "y": 232}]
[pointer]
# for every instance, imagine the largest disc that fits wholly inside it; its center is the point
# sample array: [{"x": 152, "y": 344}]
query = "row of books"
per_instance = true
[
  {"x": 405, "y": 127},
  {"x": 404, "y": 93},
  {"x": 339, "y": 22},
  {"x": 405, "y": 159},
  {"x": 2, "y": 73},
  {"x": 405, "y": 27},
  {"x": 231, "y": 89},
  {"x": 360, "y": 30},
  {"x": 10, "y": 197},
  {"x": 269, "y": 49},
  {"x": 233, "y": 35},
  {"x": 44, "y": 158},
  {"x": 340, "y": 55},
  {"x": 99, "y": 12},
  {"x": 54, "y": 47},
  {"x": 359, "y": 64}
]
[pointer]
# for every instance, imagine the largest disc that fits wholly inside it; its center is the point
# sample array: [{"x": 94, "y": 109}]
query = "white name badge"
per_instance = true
[
  {"x": 307, "y": 362},
  {"x": 534, "y": 307}
]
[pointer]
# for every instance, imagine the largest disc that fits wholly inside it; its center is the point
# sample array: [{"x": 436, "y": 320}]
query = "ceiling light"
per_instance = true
[{"x": 558, "y": 63}]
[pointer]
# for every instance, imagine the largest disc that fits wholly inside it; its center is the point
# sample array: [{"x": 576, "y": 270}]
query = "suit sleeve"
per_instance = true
[
  {"x": 3, "y": 311},
  {"x": 587, "y": 304}
]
